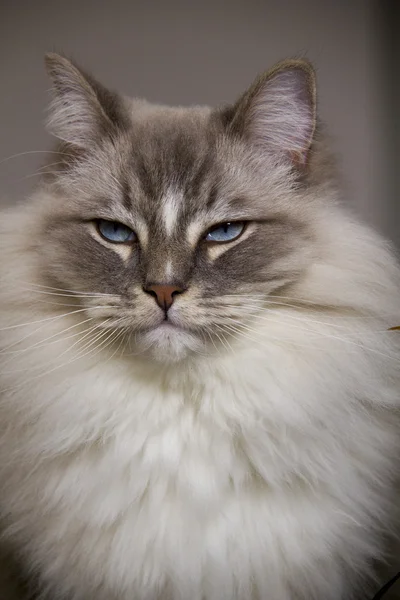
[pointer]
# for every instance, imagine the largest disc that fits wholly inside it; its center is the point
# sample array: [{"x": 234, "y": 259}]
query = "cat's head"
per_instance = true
[{"x": 179, "y": 222}]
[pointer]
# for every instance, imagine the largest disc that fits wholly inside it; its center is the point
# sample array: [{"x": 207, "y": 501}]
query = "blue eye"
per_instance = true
[
  {"x": 225, "y": 232},
  {"x": 115, "y": 232}
]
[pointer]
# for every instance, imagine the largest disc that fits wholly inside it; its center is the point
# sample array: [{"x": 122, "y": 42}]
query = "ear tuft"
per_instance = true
[
  {"x": 82, "y": 110},
  {"x": 278, "y": 113}
]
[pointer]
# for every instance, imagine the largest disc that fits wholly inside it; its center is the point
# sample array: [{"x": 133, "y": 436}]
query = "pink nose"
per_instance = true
[{"x": 164, "y": 295}]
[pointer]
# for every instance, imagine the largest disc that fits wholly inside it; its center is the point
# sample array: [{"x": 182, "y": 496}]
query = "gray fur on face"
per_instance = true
[{"x": 170, "y": 174}]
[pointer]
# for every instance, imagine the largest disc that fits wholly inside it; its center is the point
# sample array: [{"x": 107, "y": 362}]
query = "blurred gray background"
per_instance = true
[{"x": 207, "y": 52}]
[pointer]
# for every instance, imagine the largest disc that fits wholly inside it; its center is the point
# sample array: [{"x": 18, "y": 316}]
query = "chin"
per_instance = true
[{"x": 168, "y": 343}]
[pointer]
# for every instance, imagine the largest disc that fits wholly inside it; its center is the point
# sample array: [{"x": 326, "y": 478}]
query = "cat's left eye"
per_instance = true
[
  {"x": 225, "y": 232},
  {"x": 115, "y": 232}
]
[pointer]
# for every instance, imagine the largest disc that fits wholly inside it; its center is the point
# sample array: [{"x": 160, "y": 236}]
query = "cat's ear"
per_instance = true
[
  {"x": 82, "y": 109},
  {"x": 278, "y": 112}
]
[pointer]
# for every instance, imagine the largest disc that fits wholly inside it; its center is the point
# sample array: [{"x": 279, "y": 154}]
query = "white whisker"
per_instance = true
[
  {"x": 78, "y": 356},
  {"x": 48, "y": 319},
  {"x": 4, "y": 160},
  {"x": 44, "y": 342},
  {"x": 87, "y": 331},
  {"x": 297, "y": 303},
  {"x": 238, "y": 331},
  {"x": 66, "y": 292},
  {"x": 303, "y": 315},
  {"x": 323, "y": 335},
  {"x": 223, "y": 340}
]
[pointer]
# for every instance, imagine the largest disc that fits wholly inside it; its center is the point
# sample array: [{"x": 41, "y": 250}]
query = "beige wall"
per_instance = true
[{"x": 198, "y": 52}]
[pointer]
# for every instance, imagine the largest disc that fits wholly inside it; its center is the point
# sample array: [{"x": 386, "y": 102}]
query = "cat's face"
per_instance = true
[{"x": 178, "y": 223}]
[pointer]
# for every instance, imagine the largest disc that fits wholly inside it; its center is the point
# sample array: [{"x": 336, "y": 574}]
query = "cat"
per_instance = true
[{"x": 199, "y": 388}]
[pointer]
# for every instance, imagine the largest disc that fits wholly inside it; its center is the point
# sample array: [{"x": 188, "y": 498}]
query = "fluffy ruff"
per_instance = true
[{"x": 263, "y": 470}]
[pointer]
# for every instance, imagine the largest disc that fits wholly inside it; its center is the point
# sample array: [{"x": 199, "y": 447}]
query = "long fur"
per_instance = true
[{"x": 263, "y": 467}]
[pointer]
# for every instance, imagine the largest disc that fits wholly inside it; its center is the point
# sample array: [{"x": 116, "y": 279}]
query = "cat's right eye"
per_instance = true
[{"x": 115, "y": 232}]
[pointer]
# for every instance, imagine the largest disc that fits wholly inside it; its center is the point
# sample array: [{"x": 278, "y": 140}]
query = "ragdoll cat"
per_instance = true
[{"x": 199, "y": 391}]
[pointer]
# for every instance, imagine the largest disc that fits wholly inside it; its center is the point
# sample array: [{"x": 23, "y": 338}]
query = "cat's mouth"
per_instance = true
[{"x": 165, "y": 324}]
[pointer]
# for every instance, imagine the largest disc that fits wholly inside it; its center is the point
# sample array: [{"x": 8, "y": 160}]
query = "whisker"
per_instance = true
[
  {"x": 19, "y": 154},
  {"x": 265, "y": 297},
  {"x": 66, "y": 292},
  {"x": 90, "y": 342},
  {"x": 330, "y": 336},
  {"x": 78, "y": 356},
  {"x": 105, "y": 333},
  {"x": 47, "y": 166},
  {"x": 304, "y": 318},
  {"x": 43, "y": 342},
  {"x": 222, "y": 340},
  {"x": 120, "y": 336},
  {"x": 123, "y": 341},
  {"x": 71, "y": 296},
  {"x": 110, "y": 339},
  {"x": 236, "y": 331},
  {"x": 298, "y": 303},
  {"x": 87, "y": 332},
  {"x": 208, "y": 331},
  {"x": 49, "y": 303},
  {"x": 36, "y": 175},
  {"x": 266, "y": 308},
  {"x": 47, "y": 319}
]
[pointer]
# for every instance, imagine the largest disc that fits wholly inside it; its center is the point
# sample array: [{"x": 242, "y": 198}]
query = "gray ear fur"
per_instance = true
[
  {"x": 82, "y": 110},
  {"x": 278, "y": 112}
]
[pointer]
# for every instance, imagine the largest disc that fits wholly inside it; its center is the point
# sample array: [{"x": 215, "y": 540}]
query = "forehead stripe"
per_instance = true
[{"x": 171, "y": 203}]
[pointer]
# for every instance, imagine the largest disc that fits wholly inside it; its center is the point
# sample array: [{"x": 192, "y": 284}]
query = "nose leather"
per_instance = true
[{"x": 164, "y": 295}]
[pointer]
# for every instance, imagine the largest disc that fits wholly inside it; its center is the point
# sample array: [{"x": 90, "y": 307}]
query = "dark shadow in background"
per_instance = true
[{"x": 387, "y": 14}]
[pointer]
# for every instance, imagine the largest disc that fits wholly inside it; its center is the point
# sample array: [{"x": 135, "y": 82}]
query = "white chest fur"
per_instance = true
[{"x": 245, "y": 477}]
